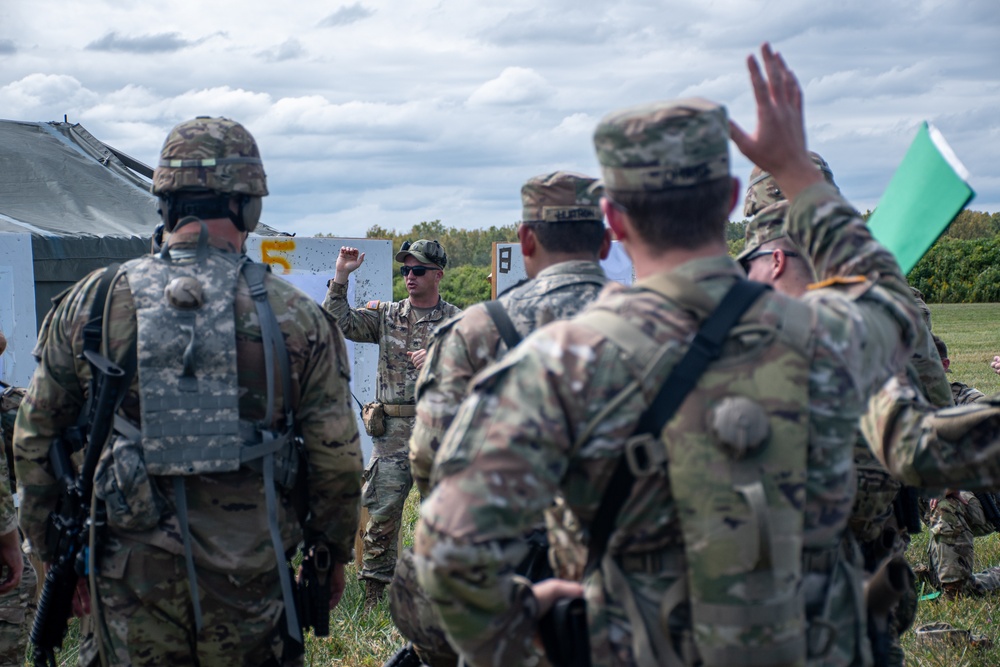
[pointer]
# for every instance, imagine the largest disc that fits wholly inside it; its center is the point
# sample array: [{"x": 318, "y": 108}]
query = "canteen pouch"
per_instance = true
[
  {"x": 123, "y": 484},
  {"x": 373, "y": 417}
]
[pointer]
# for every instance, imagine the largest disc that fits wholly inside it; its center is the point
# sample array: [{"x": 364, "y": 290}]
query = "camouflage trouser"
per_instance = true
[
  {"x": 415, "y": 617},
  {"x": 17, "y": 612},
  {"x": 387, "y": 483},
  {"x": 148, "y": 614},
  {"x": 953, "y": 524}
]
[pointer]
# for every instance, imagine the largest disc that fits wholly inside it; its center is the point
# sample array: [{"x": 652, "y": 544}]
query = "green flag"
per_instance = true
[{"x": 925, "y": 194}]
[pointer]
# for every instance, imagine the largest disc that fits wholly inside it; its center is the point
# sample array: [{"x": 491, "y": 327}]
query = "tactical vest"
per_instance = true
[
  {"x": 735, "y": 456},
  {"x": 185, "y": 356}
]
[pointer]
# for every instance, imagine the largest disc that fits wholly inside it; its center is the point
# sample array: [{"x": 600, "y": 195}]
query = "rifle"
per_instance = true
[
  {"x": 564, "y": 633},
  {"x": 69, "y": 526},
  {"x": 314, "y": 590},
  {"x": 404, "y": 657},
  {"x": 882, "y": 592}
]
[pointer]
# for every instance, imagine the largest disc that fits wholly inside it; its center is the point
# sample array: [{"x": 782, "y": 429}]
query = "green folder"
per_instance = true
[{"x": 925, "y": 194}]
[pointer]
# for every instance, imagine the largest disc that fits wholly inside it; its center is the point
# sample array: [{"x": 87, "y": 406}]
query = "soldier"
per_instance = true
[
  {"x": 17, "y": 590},
  {"x": 956, "y": 519},
  {"x": 770, "y": 257},
  {"x": 961, "y": 392},
  {"x": 230, "y": 367},
  {"x": 402, "y": 331},
  {"x": 556, "y": 414},
  {"x": 17, "y": 606},
  {"x": 562, "y": 237}
]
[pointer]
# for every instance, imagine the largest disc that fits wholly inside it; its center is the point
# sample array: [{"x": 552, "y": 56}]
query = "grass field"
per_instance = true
[
  {"x": 367, "y": 640},
  {"x": 972, "y": 340}
]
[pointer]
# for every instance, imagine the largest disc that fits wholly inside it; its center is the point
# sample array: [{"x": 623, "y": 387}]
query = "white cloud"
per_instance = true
[
  {"x": 346, "y": 15},
  {"x": 515, "y": 85},
  {"x": 44, "y": 95},
  {"x": 290, "y": 49},
  {"x": 386, "y": 112}
]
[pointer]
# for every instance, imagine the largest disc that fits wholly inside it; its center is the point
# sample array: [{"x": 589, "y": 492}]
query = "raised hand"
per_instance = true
[
  {"x": 778, "y": 145},
  {"x": 348, "y": 262}
]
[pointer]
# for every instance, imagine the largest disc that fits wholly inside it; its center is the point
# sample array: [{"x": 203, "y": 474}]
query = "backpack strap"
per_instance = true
[
  {"x": 704, "y": 349},
  {"x": 503, "y": 323}
]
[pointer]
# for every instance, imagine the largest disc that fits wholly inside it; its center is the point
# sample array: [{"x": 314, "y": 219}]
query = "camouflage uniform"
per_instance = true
[
  {"x": 555, "y": 413},
  {"x": 964, "y": 394},
  {"x": 143, "y": 591},
  {"x": 397, "y": 328},
  {"x": 873, "y": 520},
  {"x": 468, "y": 343},
  {"x": 17, "y": 607},
  {"x": 953, "y": 523},
  {"x": 932, "y": 448}
]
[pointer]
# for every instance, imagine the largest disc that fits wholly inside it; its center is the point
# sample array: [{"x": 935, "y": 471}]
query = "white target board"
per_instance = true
[{"x": 309, "y": 263}]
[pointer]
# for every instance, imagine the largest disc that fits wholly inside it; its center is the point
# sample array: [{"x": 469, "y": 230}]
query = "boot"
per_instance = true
[{"x": 373, "y": 593}]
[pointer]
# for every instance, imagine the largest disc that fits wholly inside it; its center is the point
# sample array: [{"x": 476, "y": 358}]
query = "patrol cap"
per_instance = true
[
  {"x": 424, "y": 251},
  {"x": 663, "y": 145},
  {"x": 562, "y": 196},
  {"x": 210, "y": 154},
  {"x": 766, "y": 226},
  {"x": 762, "y": 190}
]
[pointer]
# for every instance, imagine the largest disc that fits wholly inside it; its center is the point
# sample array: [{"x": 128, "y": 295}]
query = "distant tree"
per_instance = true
[
  {"x": 974, "y": 225},
  {"x": 959, "y": 271}
]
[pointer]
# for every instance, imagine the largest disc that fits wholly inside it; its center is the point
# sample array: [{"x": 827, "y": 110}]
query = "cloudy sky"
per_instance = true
[{"x": 390, "y": 112}]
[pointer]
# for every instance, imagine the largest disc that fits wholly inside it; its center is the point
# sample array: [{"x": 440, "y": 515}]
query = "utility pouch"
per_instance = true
[
  {"x": 373, "y": 417},
  {"x": 123, "y": 484},
  {"x": 564, "y": 633}
]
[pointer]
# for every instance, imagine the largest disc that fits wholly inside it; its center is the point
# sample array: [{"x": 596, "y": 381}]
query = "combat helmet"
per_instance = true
[{"x": 204, "y": 163}]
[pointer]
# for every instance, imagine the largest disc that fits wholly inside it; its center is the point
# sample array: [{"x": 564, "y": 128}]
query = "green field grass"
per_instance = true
[{"x": 367, "y": 640}]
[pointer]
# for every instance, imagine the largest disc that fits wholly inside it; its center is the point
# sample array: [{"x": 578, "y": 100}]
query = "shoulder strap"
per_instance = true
[
  {"x": 504, "y": 324},
  {"x": 705, "y": 348},
  {"x": 93, "y": 330},
  {"x": 274, "y": 346},
  {"x": 272, "y": 340}
]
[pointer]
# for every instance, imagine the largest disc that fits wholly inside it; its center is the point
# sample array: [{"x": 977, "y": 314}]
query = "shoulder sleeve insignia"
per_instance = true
[
  {"x": 838, "y": 280},
  {"x": 372, "y": 305}
]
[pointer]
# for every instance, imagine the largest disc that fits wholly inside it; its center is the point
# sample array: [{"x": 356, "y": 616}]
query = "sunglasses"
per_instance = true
[
  {"x": 762, "y": 253},
  {"x": 418, "y": 271}
]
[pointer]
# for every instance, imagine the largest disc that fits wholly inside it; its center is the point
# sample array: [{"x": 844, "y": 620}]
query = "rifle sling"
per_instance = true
[
  {"x": 704, "y": 349},
  {"x": 508, "y": 332}
]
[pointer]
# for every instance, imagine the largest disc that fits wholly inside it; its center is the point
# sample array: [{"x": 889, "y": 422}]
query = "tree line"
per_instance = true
[{"x": 963, "y": 266}]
